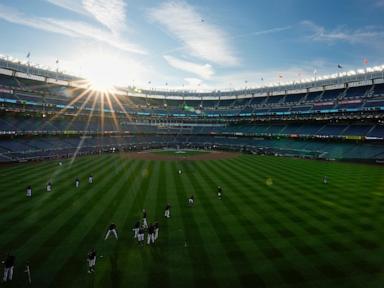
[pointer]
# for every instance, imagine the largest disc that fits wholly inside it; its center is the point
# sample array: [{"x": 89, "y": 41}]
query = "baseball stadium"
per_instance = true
[{"x": 277, "y": 181}]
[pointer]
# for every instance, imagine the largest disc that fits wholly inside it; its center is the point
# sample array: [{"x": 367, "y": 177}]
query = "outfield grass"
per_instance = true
[{"x": 277, "y": 226}]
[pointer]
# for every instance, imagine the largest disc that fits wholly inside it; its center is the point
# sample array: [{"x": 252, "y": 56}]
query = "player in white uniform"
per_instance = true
[
  {"x": 91, "y": 258},
  {"x": 136, "y": 229},
  {"x": 140, "y": 236},
  {"x": 145, "y": 223},
  {"x": 156, "y": 226},
  {"x": 9, "y": 263},
  {"x": 90, "y": 179},
  {"x": 77, "y": 182},
  {"x": 49, "y": 187},
  {"x": 112, "y": 229},
  {"x": 191, "y": 200},
  {"x": 29, "y": 191},
  {"x": 325, "y": 180},
  {"x": 219, "y": 192},
  {"x": 167, "y": 211}
]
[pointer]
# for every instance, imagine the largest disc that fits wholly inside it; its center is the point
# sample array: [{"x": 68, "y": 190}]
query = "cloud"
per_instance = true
[
  {"x": 200, "y": 39},
  {"x": 71, "y": 5},
  {"x": 111, "y": 13},
  {"x": 204, "y": 71},
  {"x": 69, "y": 28},
  {"x": 362, "y": 35},
  {"x": 263, "y": 32}
]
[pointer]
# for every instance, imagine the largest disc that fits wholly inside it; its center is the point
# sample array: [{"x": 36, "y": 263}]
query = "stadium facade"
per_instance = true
[{"x": 47, "y": 114}]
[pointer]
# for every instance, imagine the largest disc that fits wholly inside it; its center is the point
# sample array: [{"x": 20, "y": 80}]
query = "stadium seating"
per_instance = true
[{"x": 46, "y": 120}]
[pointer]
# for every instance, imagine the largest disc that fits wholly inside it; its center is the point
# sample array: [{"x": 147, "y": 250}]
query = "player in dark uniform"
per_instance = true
[
  {"x": 151, "y": 234},
  {"x": 112, "y": 229},
  {"x": 91, "y": 258},
  {"x": 167, "y": 211},
  {"x": 219, "y": 192},
  {"x": 9, "y": 264}
]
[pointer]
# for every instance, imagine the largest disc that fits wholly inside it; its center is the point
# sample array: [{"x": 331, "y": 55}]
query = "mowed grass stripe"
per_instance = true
[
  {"x": 239, "y": 259},
  {"x": 298, "y": 198},
  {"x": 304, "y": 264},
  {"x": 158, "y": 274},
  {"x": 209, "y": 224},
  {"x": 120, "y": 255},
  {"x": 202, "y": 268},
  {"x": 37, "y": 179},
  {"x": 40, "y": 197},
  {"x": 255, "y": 228},
  {"x": 40, "y": 229},
  {"x": 78, "y": 226},
  {"x": 180, "y": 261},
  {"x": 36, "y": 206},
  {"x": 47, "y": 171},
  {"x": 53, "y": 202},
  {"x": 100, "y": 218}
]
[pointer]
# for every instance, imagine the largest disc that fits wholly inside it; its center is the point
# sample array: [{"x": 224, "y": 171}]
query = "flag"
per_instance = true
[
  {"x": 29, "y": 55},
  {"x": 339, "y": 66},
  {"x": 315, "y": 71},
  {"x": 280, "y": 76},
  {"x": 57, "y": 61},
  {"x": 262, "y": 79},
  {"x": 365, "y": 61},
  {"x": 149, "y": 82}
]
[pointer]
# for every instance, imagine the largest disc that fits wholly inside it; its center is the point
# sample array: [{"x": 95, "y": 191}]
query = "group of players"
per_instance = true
[
  {"x": 139, "y": 230},
  {"x": 49, "y": 185}
]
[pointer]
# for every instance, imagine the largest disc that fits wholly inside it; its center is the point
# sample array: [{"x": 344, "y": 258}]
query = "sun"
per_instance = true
[
  {"x": 103, "y": 70},
  {"x": 100, "y": 85}
]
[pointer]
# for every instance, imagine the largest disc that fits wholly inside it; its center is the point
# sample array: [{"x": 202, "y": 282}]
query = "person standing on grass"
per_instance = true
[
  {"x": 49, "y": 187},
  {"x": 219, "y": 192},
  {"x": 136, "y": 229},
  {"x": 9, "y": 264},
  {"x": 191, "y": 200},
  {"x": 140, "y": 236},
  {"x": 156, "y": 227},
  {"x": 145, "y": 223},
  {"x": 29, "y": 191},
  {"x": 167, "y": 211},
  {"x": 325, "y": 180},
  {"x": 90, "y": 179},
  {"x": 151, "y": 234},
  {"x": 91, "y": 258},
  {"x": 112, "y": 229},
  {"x": 77, "y": 182}
]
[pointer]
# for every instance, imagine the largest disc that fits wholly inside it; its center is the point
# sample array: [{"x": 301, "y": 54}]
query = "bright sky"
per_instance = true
[{"x": 215, "y": 44}]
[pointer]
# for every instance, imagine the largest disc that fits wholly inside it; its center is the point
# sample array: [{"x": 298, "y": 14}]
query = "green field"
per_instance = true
[{"x": 277, "y": 226}]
